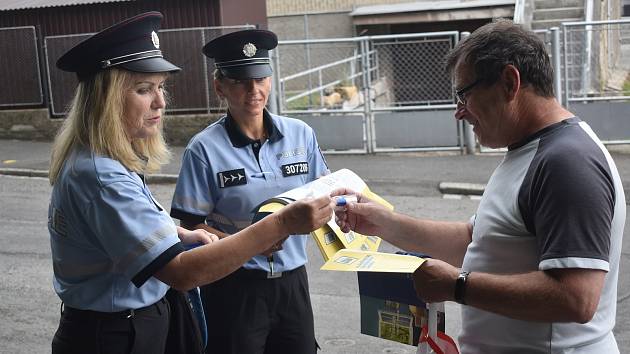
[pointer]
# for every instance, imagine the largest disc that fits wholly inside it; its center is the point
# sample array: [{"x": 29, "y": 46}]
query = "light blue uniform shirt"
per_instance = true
[
  {"x": 108, "y": 236},
  {"x": 221, "y": 182}
]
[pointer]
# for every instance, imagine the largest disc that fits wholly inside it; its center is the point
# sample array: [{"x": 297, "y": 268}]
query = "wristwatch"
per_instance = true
[{"x": 460, "y": 287}]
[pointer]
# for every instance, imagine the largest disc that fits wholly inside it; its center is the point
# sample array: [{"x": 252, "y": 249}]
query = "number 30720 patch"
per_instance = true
[{"x": 293, "y": 169}]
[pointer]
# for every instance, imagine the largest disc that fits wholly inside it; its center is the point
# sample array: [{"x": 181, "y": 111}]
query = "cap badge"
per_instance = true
[
  {"x": 249, "y": 50},
  {"x": 155, "y": 39}
]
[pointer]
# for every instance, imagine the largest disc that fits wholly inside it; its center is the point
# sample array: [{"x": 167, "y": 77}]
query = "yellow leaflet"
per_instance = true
[
  {"x": 327, "y": 241},
  {"x": 368, "y": 261},
  {"x": 270, "y": 207},
  {"x": 329, "y": 238}
]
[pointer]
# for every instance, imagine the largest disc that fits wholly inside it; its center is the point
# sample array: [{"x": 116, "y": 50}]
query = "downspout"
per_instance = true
[
  {"x": 519, "y": 11},
  {"x": 588, "y": 42},
  {"x": 523, "y": 13}
]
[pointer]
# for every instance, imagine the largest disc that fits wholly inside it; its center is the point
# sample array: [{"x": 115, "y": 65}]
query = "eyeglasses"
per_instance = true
[{"x": 461, "y": 93}]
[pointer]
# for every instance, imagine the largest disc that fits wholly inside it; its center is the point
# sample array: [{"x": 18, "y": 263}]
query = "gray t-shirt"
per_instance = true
[{"x": 555, "y": 201}]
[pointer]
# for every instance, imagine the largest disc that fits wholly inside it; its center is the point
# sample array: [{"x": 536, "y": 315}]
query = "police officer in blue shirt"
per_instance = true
[
  {"x": 115, "y": 250},
  {"x": 229, "y": 168}
]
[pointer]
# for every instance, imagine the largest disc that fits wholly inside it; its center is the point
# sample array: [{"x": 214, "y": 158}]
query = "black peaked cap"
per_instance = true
[
  {"x": 243, "y": 54},
  {"x": 132, "y": 44}
]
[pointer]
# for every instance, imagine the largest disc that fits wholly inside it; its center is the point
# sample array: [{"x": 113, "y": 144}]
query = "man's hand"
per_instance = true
[
  {"x": 365, "y": 216},
  {"x": 435, "y": 281}
]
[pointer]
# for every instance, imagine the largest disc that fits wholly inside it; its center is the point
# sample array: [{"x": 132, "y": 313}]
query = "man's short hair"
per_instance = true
[{"x": 493, "y": 46}]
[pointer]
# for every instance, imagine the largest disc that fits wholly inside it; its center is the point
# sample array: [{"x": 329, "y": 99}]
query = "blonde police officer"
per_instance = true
[
  {"x": 228, "y": 169},
  {"x": 115, "y": 251}
]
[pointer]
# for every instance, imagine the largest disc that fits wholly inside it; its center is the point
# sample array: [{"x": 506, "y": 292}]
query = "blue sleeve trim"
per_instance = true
[
  {"x": 157, "y": 264},
  {"x": 187, "y": 217}
]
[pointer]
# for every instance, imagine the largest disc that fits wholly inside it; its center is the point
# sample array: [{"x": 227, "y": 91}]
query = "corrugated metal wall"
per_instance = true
[
  {"x": 19, "y": 68},
  {"x": 190, "y": 89},
  {"x": 53, "y": 21}
]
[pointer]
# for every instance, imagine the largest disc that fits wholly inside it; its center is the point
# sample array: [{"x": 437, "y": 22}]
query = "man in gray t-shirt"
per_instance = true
[{"x": 536, "y": 268}]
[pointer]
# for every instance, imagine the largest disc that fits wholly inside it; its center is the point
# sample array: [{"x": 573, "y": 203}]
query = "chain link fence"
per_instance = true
[
  {"x": 19, "y": 67},
  {"x": 411, "y": 70},
  {"x": 399, "y": 71},
  {"x": 190, "y": 90}
]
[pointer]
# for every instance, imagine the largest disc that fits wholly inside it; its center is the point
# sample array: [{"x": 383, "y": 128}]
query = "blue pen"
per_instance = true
[{"x": 343, "y": 200}]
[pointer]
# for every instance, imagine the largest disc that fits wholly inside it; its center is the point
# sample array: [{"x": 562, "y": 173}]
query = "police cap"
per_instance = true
[
  {"x": 242, "y": 54},
  {"x": 132, "y": 44}
]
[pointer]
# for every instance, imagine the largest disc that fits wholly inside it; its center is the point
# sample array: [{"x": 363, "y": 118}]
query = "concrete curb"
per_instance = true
[
  {"x": 25, "y": 172},
  {"x": 461, "y": 188},
  {"x": 161, "y": 178}
]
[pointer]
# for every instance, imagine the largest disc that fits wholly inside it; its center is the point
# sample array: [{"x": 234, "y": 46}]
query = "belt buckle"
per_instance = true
[{"x": 274, "y": 275}]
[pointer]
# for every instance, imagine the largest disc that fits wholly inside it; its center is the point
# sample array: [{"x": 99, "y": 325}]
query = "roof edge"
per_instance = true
[
  {"x": 14, "y": 5},
  {"x": 428, "y": 6}
]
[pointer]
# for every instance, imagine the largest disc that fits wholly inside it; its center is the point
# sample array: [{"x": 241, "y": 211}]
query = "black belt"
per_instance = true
[
  {"x": 120, "y": 314},
  {"x": 261, "y": 274}
]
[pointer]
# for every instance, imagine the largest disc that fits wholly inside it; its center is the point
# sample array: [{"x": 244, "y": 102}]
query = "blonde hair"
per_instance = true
[{"x": 95, "y": 121}]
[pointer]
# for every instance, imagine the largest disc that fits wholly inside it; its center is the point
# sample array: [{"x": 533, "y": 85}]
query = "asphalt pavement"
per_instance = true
[{"x": 411, "y": 181}]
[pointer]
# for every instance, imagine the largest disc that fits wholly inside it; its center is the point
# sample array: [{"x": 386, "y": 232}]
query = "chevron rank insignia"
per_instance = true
[{"x": 232, "y": 178}]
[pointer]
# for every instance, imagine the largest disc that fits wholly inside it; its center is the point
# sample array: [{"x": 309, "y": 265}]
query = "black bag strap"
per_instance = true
[{"x": 184, "y": 335}]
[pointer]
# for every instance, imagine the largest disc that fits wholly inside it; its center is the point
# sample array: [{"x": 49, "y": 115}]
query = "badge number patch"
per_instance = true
[
  {"x": 293, "y": 169},
  {"x": 232, "y": 178}
]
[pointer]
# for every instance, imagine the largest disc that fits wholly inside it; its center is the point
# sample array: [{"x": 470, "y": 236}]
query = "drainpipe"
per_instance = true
[
  {"x": 469, "y": 134},
  {"x": 555, "y": 54}
]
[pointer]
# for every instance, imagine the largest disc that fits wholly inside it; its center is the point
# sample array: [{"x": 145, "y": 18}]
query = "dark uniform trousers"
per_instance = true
[
  {"x": 139, "y": 331},
  {"x": 248, "y": 313}
]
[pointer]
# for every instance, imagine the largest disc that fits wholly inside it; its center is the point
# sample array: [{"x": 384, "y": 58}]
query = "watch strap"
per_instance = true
[{"x": 460, "y": 287}]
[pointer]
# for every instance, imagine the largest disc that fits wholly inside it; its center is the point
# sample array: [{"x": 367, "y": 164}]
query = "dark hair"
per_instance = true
[{"x": 493, "y": 46}]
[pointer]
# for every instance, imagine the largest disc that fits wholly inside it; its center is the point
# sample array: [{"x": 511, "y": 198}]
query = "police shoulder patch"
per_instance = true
[
  {"x": 232, "y": 178},
  {"x": 293, "y": 169}
]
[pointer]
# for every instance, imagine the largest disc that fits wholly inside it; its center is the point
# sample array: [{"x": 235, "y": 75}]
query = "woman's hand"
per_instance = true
[
  {"x": 200, "y": 236},
  {"x": 306, "y": 215}
]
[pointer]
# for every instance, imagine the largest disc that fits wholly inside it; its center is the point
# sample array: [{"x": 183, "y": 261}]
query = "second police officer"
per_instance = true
[{"x": 229, "y": 168}]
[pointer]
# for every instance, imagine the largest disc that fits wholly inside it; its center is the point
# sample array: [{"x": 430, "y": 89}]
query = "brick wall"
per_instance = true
[{"x": 323, "y": 25}]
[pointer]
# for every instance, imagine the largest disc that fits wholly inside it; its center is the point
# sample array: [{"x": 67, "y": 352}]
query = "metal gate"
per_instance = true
[{"x": 372, "y": 93}]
